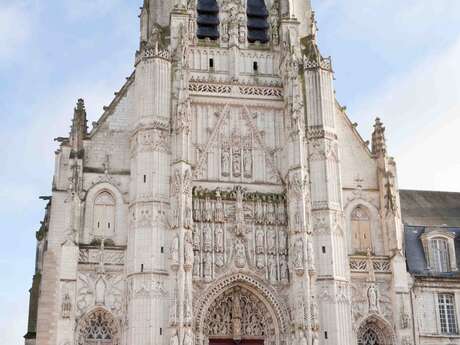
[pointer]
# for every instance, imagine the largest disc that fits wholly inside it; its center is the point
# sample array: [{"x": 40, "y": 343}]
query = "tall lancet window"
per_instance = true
[
  {"x": 104, "y": 215},
  {"x": 208, "y": 19},
  {"x": 360, "y": 229},
  {"x": 257, "y": 21}
]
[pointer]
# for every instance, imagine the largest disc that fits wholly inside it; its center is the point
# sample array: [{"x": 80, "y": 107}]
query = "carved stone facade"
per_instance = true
[{"x": 224, "y": 195}]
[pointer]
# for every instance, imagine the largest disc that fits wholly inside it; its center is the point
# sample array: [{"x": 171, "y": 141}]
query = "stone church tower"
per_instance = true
[{"x": 223, "y": 197}]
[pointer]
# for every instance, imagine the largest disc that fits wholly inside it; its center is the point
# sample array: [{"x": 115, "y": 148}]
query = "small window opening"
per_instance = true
[
  {"x": 162, "y": 250},
  {"x": 255, "y": 66},
  {"x": 324, "y": 249},
  {"x": 325, "y": 335},
  {"x": 145, "y": 178},
  {"x": 108, "y": 225},
  {"x": 211, "y": 63},
  {"x": 161, "y": 331},
  {"x": 98, "y": 225},
  {"x": 142, "y": 267}
]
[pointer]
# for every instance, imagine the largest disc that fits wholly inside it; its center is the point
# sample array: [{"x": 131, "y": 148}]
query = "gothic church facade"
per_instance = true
[{"x": 225, "y": 197}]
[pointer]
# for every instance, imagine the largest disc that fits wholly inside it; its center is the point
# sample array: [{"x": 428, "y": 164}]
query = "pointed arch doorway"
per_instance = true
[{"x": 239, "y": 317}]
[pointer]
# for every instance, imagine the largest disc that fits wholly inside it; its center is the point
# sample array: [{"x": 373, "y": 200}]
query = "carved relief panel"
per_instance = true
[
  {"x": 236, "y": 230},
  {"x": 235, "y": 143}
]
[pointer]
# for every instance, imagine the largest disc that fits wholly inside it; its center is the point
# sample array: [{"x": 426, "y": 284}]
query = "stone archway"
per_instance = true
[
  {"x": 375, "y": 331},
  {"x": 98, "y": 327},
  {"x": 239, "y": 309}
]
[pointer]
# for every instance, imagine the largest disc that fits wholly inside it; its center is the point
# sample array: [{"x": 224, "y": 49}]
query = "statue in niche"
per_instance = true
[
  {"x": 260, "y": 261},
  {"x": 175, "y": 251},
  {"x": 207, "y": 238},
  {"x": 242, "y": 27},
  {"x": 196, "y": 209},
  {"x": 207, "y": 266},
  {"x": 196, "y": 237},
  {"x": 207, "y": 212},
  {"x": 299, "y": 255},
  {"x": 188, "y": 218},
  {"x": 272, "y": 268},
  {"x": 188, "y": 311},
  {"x": 283, "y": 242},
  {"x": 281, "y": 213},
  {"x": 283, "y": 268},
  {"x": 219, "y": 239},
  {"x": 270, "y": 213},
  {"x": 247, "y": 163},
  {"x": 66, "y": 307},
  {"x": 236, "y": 162},
  {"x": 174, "y": 339},
  {"x": 271, "y": 240},
  {"x": 188, "y": 337},
  {"x": 260, "y": 245},
  {"x": 196, "y": 265},
  {"x": 219, "y": 214},
  {"x": 225, "y": 161},
  {"x": 240, "y": 255},
  {"x": 188, "y": 252},
  {"x": 373, "y": 297},
  {"x": 175, "y": 218},
  {"x": 259, "y": 211}
]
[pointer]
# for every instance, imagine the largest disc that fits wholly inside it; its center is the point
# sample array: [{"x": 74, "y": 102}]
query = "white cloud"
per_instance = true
[{"x": 421, "y": 109}]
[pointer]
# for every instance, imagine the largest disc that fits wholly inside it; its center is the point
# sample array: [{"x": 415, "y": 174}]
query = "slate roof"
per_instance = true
[
  {"x": 430, "y": 208},
  {"x": 421, "y": 211}
]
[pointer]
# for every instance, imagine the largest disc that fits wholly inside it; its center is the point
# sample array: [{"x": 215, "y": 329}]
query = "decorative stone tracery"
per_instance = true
[
  {"x": 98, "y": 327},
  {"x": 375, "y": 331}
]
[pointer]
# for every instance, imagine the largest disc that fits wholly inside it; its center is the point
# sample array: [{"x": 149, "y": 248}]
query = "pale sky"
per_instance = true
[{"x": 395, "y": 59}]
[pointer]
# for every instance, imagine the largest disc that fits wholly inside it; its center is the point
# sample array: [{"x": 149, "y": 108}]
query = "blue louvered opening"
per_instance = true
[
  {"x": 257, "y": 21},
  {"x": 208, "y": 19}
]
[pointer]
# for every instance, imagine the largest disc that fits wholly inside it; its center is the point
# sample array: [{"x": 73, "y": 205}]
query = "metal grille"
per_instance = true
[{"x": 447, "y": 314}]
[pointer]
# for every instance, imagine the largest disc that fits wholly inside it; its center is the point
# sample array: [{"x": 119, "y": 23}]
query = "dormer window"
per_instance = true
[
  {"x": 439, "y": 250},
  {"x": 208, "y": 19}
]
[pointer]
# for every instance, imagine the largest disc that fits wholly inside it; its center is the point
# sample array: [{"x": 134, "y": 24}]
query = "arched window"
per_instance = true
[
  {"x": 257, "y": 21},
  {"x": 375, "y": 331},
  {"x": 98, "y": 328},
  {"x": 208, "y": 19},
  {"x": 439, "y": 250},
  {"x": 361, "y": 230},
  {"x": 104, "y": 215}
]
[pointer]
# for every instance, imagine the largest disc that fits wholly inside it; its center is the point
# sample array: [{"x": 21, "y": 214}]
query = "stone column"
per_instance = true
[
  {"x": 326, "y": 198},
  {"x": 147, "y": 273}
]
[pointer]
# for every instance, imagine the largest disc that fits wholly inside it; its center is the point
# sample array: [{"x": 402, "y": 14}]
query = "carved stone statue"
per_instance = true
[
  {"x": 225, "y": 161},
  {"x": 196, "y": 237},
  {"x": 260, "y": 245},
  {"x": 272, "y": 268},
  {"x": 260, "y": 261},
  {"x": 271, "y": 240},
  {"x": 283, "y": 242},
  {"x": 188, "y": 252},
  {"x": 283, "y": 269},
  {"x": 207, "y": 238},
  {"x": 247, "y": 163},
  {"x": 188, "y": 337},
  {"x": 373, "y": 297},
  {"x": 299, "y": 256},
  {"x": 219, "y": 239},
  {"x": 175, "y": 251},
  {"x": 207, "y": 266},
  {"x": 174, "y": 339},
  {"x": 240, "y": 255},
  {"x": 236, "y": 163},
  {"x": 66, "y": 307}
]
